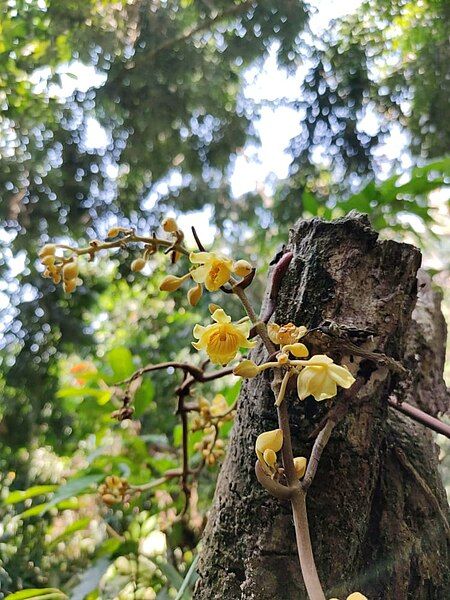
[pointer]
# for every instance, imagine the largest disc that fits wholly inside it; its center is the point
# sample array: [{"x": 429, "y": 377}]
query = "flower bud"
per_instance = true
[
  {"x": 48, "y": 260},
  {"x": 298, "y": 350},
  {"x": 213, "y": 307},
  {"x": 242, "y": 268},
  {"x": 300, "y": 463},
  {"x": 113, "y": 232},
  {"x": 356, "y": 596},
  {"x": 47, "y": 250},
  {"x": 138, "y": 264},
  {"x": 272, "y": 440},
  {"x": 270, "y": 457},
  {"x": 194, "y": 295},
  {"x": 282, "y": 358},
  {"x": 70, "y": 285},
  {"x": 70, "y": 271},
  {"x": 171, "y": 283},
  {"x": 246, "y": 368},
  {"x": 170, "y": 225}
]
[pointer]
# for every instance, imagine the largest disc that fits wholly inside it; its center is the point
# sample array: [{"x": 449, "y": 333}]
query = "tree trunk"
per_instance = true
[{"x": 377, "y": 507}]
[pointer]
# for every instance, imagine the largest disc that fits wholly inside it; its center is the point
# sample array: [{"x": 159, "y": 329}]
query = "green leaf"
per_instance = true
[
  {"x": 72, "y": 528},
  {"x": 74, "y": 487},
  {"x": 32, "y": 492},
  {"x": 170, "y": 573},
  {"x": 143, "y": 397},
  {"x": 47, "y": 593},
  {"x": 121, "y": 362},
  {"x": 190, "y": 577}
]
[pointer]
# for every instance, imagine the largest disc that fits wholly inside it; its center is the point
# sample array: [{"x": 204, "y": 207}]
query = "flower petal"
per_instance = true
[
  {"x": 200, "y": 257},
  {"x": 220, "y": 316},
  {"x": 198, "y": 331},
  {"x": 200, "y": 274},
  {"x": 341, "y": 376}
]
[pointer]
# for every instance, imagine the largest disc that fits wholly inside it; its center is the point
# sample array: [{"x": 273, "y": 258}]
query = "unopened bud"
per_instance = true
[
  {"x": 356, "y": 596},
  {"x": 298, "y": 350},
  {"x": 213, "y": 307},
  {"x": 171, "y": 283},
  {"x": 282, "y": 358},
  {"x": 300, "y": 463},
  {"x": 246, "y": 368},
  {"x": 194, "y": 295},
  {"x": 48, "y": 260},
  {"x": 270, "y": 457},
  {"x": 113, "y": 232},
  {"x": 70, "y": 271},
  {"x": 242, "y": 268},
  {"x": 70, "y": 285},
  {"x": 138, "y": 264},
  {"x": 47, "y": 250},
  {"x": 170, "y": 225},
  {"x": 272, "y": 440}
]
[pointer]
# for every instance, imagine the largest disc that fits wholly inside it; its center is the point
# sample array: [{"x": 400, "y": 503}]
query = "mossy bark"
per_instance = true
[{"x": 377, "y": 507}]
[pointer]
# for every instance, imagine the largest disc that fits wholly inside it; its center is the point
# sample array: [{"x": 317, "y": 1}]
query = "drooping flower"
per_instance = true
[
  {"x": 266, "y": 447},
  {"x": 246, "y": 368},
  {"x": 285, "y": 334},
  {"x": 221, "y": 340},
  {"x": 300, "y": 463},
  {"x": 320, "y": 378},
  {"x": 214, "y": 270}
]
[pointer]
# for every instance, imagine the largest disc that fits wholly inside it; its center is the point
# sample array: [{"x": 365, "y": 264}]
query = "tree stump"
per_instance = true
[{"x": 377, "y": 507}]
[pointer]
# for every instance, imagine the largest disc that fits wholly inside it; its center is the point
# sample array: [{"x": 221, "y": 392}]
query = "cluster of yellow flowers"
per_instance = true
[
  {"x": 59, "y": 269},
  {"x": 215, "y": 413},
  {"x": 266, "y": 448},
  {"x": 114, "y": 490},
  {"x": 319, "y": 376},
  {"x": 210, "y": 447},
  {"x": 213, "y": 271}
]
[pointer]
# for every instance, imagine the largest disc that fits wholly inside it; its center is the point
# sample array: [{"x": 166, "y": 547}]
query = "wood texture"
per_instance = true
[{"x": 378, "y": 514}]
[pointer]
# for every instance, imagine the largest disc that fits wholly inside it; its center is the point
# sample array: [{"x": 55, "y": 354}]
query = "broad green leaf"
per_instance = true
[
  {"x": 32, "y": 492},
  {"x": 74, "y": 487},
  {"x": 143, "y": 397},
  {"x": 121, "y": 362}
]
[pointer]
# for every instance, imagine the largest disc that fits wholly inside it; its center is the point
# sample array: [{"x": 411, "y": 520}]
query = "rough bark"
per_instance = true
[{"x": 377, "y": 507}]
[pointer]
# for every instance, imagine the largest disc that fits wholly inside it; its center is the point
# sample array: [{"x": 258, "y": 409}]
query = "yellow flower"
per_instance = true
[
  {"x": 299, "y": 350},
  {"x": 172, "y": 283},
  {"x": 300, "y": 463},
  {"x": 357, "y": 596},
  {"x": 138, "y": 264},
  {"x": 169, "y": 225},
  {"x": 267, "y": 445},
  {"x": 214, "y": 270},
  {"x": 246, "y": 368},
  {"x": 285, "y": 334},
  {"x": 320, "y": 378},
  {"x": 242, "y": 268},
  {"x": 222, "y": 339},
  {"x": 194, "y": 295}
]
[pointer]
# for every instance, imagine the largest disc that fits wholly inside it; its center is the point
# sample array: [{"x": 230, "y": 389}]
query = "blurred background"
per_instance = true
[{"x": 240, "y": 116}]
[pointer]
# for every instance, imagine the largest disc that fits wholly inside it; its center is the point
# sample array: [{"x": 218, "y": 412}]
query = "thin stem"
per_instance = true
[
  {"x": 305, "y": 553},
  {"x": 260, "y": 327},
  {"x": 316, "y": 452},
  {"x": 283, "y": 386}
]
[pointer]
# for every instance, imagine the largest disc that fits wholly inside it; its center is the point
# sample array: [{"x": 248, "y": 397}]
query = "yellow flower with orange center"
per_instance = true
[
  {"x": 320, "y": 378},
  {"x": 222, "y": 339},
  {"x": 214, "y": 270}
]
